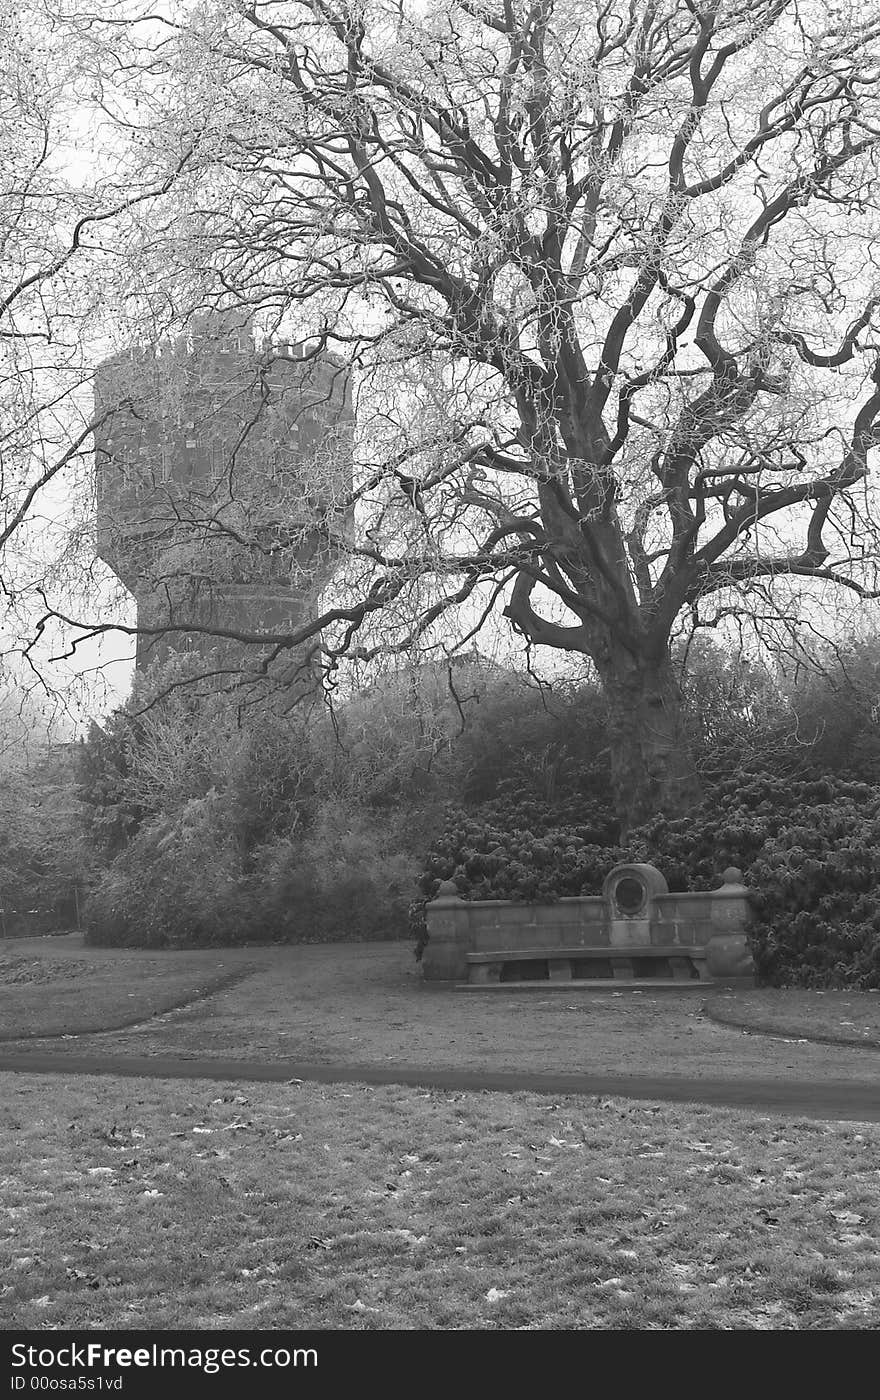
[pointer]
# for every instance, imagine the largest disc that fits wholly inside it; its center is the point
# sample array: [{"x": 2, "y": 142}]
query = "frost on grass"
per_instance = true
[{"x": 326, "y": 1207}]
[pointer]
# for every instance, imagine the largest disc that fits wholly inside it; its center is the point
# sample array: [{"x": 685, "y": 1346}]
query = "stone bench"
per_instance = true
[
  {"x": 634, "y": 933},
  {"x": 505, "y": 966}
]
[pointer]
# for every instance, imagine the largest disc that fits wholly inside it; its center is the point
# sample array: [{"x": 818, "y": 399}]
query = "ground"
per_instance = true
[
  {"x": 150, "y": 1204},
  {"x": 367, "y": 1004}
]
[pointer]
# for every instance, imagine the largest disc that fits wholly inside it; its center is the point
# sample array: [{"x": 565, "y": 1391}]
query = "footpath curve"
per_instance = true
[{"x": 835, "y": 1100}]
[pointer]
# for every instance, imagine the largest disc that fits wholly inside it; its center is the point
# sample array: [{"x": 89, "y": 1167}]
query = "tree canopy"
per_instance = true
[{"x": 606, "y": 279}]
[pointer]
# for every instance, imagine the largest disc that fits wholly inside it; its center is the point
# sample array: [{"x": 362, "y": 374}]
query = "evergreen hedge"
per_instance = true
[{"x": 809, "y": 850}]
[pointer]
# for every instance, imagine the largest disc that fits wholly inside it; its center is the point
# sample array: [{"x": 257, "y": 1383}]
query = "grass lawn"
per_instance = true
[
  {"x": 298, "y": 1206},
  {"x": 850, "y": 1018},
  {"x": 367, "y": 1004},
  {"x": 185, "y": 1204},
  {"x": 49, "y": 995}
]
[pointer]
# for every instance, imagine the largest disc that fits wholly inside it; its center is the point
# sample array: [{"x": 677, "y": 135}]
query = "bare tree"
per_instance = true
[
  {"x": 607, "y": 276},
  {"x": 71, "y": 191}
]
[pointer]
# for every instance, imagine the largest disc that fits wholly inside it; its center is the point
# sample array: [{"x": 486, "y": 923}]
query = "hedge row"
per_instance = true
[
  {"x": 184, "y": 881},
  {"x": 810, "y": 850}
]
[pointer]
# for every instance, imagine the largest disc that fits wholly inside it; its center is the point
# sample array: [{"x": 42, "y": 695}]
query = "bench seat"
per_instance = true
[
  {"x": 643, "y": 963},
  {"x": 607, "y": 950}
]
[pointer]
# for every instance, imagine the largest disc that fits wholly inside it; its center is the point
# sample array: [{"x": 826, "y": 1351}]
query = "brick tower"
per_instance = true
[{"x": 221, "y": 472}]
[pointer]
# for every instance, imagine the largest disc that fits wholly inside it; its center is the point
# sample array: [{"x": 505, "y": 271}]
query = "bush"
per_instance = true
[
  {"x": 817, "y": 915},
  {"x": 809, "y": 852},
  {"x": 808, "y": 849},
  {"x": 185, "y": 882},
  {"x": 515, "y": 851},
  {"x": 43, "y": 860},
  {"x": 219, "y": 826},
  {"x": 179, "y": 883},
  {"x": 518, "y": 851},
  {"x": 548, "y": 747},
  {"x": 349, "y": 876},
  {"x": 835, "y": 711}
]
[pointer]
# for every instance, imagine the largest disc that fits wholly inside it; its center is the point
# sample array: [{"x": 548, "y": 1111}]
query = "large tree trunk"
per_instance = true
[{"x": 651, "y": 761}]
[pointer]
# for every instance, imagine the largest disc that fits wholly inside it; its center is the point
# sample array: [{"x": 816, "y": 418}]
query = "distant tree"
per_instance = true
[
  {"x": 66, "y": 207},
  {"x": 43, "y": 857},
  {"x": 834, "y": 712},
  {"x": 736, "y": 714},
  {"x": 171, "y": 745}
]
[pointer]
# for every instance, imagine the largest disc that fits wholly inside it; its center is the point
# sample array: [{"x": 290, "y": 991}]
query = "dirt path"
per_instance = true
[{"x": 841, "y": 1101}]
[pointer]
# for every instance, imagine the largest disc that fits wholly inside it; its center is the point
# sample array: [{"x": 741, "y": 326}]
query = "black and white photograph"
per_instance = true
[{"x": 439, "y": 682}]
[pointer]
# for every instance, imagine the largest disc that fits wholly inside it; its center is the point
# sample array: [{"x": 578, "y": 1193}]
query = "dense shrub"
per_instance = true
[
  {"x": 213, "y": 826},
  {"x": 808, "y": 848},
  {"x": 810, "y": 851},
  {"x": 834, "y": 713},
  {"x": 349, "y": 876},
  {"x": 42, "y": 855},
  {"x": 732, "y": 713},
  {"x": 216, "y": 826},
  {"x": 178, "y": 883},
  {"x": 154, "y": 756},
  {"x": 112, "y": 814},
  {"x": 521, "y": 743},
  {"x": 185, "y": 882},
  {"x": 817, "y": 883},
  {"x": 517, "y": 851}
]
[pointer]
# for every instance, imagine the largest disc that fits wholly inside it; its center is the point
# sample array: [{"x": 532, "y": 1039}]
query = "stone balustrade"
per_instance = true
[{"x": 633, "y": 929}]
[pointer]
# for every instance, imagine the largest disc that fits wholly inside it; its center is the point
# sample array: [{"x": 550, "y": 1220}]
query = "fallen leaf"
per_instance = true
[
  {"x": 847, "y": 1217},
  {"x": 410, "y": 1237}
]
